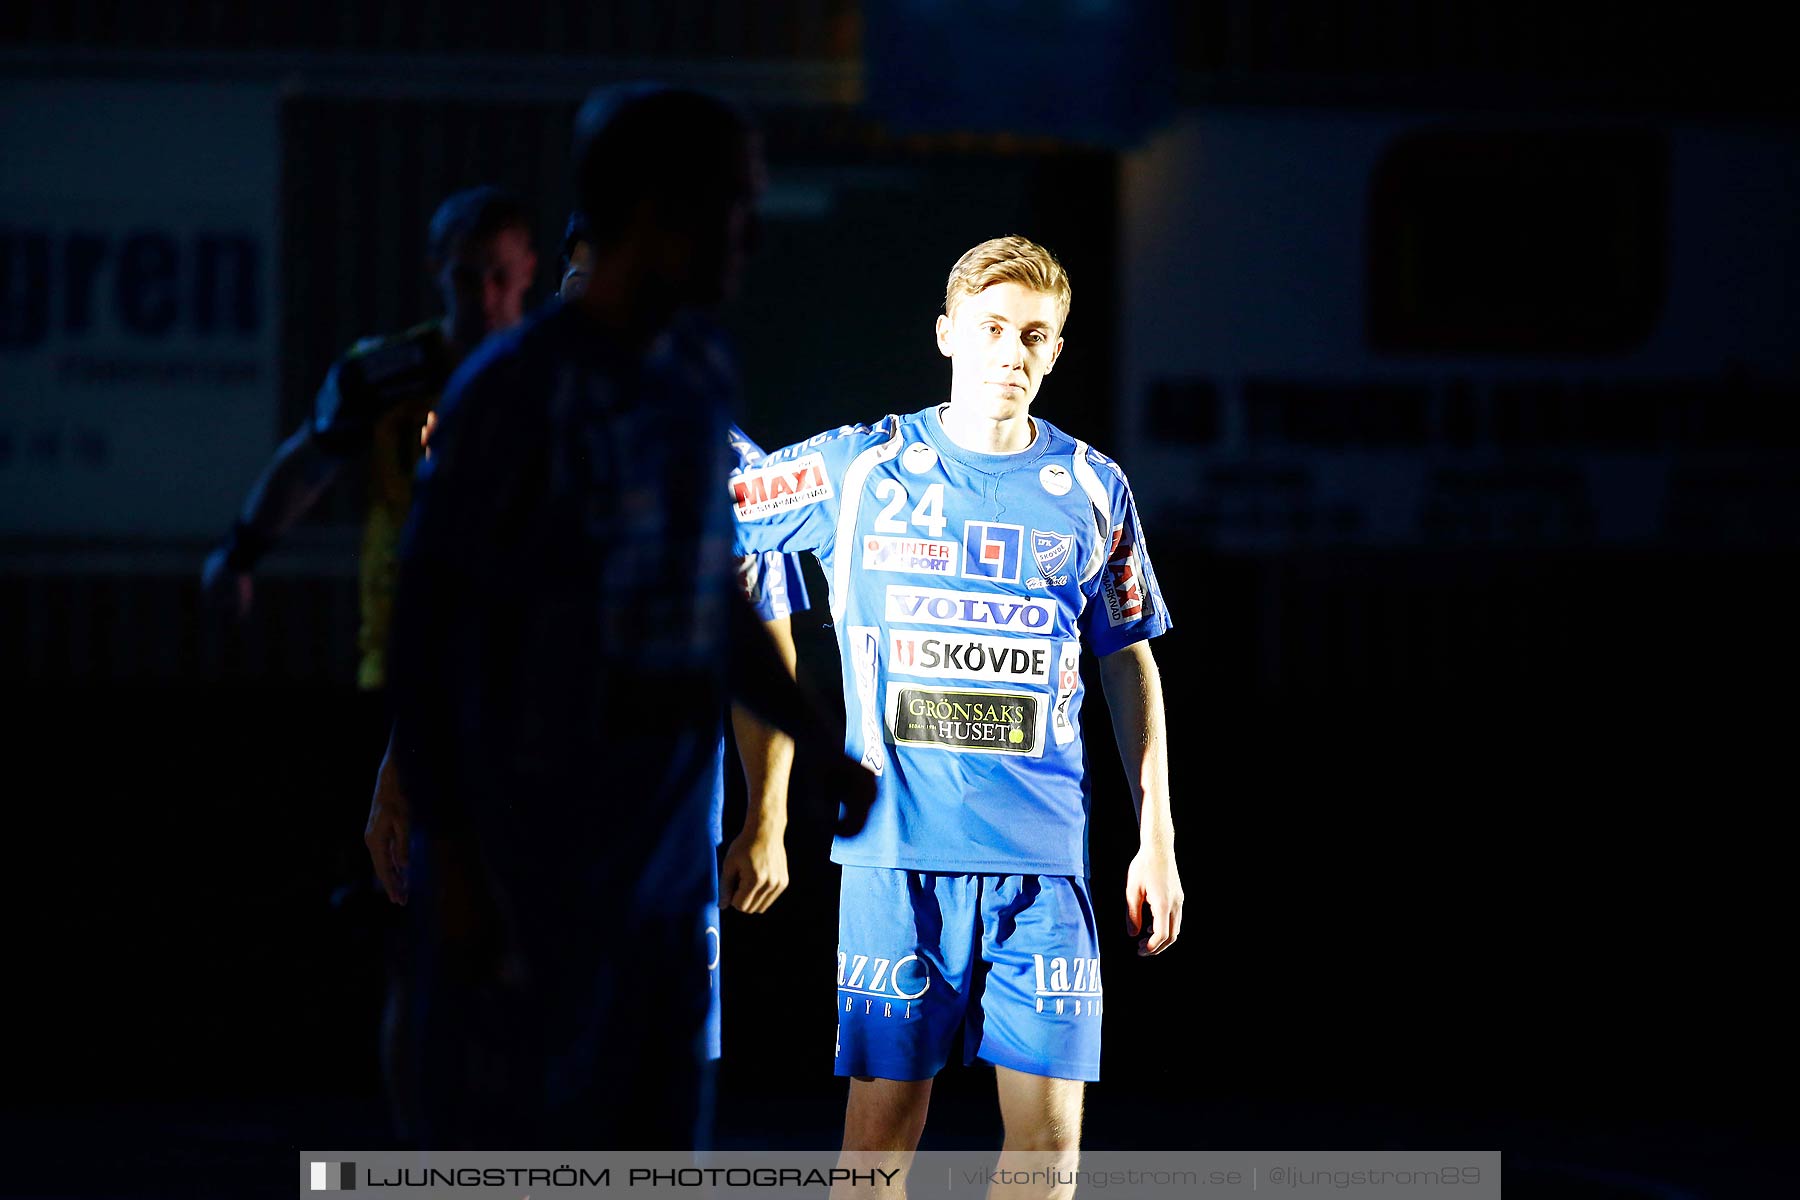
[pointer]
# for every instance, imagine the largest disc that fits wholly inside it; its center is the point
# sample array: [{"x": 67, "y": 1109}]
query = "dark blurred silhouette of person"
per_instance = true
[
  {"x": 567, "y": 632},
  {"x": 754, "y": 872},
  {"x": 372, "y": 406}
]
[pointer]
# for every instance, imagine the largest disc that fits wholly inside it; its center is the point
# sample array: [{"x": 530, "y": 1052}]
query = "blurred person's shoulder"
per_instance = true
[{"x": 508, "y": 359}]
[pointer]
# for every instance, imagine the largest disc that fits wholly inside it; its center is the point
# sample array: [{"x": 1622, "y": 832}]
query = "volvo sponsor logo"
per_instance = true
[
  {"x": 772, "y": 489},
  {"x": 970, "y": 610},
  {"x": 971, "y": 656},
  {"x": 915, "y": 556},
  {"x": 989, "y": 722}
]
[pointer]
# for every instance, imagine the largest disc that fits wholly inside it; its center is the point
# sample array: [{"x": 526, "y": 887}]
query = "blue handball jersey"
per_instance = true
[
  {"x": 775, "y": 587},
  {"x": 963, "y": 586}
]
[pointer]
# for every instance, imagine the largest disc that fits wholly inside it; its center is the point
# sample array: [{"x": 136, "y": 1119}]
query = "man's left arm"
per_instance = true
[
  {"x": 1134, "y": 697},
  {"x": 755, "y": 871}
]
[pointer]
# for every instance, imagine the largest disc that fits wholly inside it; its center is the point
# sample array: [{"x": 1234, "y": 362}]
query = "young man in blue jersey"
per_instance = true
[{"x": 972, "y": 550}]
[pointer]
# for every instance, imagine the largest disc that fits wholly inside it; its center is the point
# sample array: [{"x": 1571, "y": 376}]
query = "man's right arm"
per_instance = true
[
  {"x": 755, "y": 873},
  {"x": 789, "y": 501},
  {"x": 358, "y": 391},
  {"x": 291, "y": 484}
]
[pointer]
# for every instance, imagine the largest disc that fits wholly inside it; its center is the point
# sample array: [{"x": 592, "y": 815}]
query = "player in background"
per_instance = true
[
  {"x": 754, "y": 873},
  {"x": 972, "y": 551},
  {"x": 373, "y": 404},
  {"x": 374, "y": 400}
]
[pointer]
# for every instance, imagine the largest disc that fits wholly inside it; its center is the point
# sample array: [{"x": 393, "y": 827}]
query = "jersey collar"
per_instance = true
[{"x": 932, "y": 427}]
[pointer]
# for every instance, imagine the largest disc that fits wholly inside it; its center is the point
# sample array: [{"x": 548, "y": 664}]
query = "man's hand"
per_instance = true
[
  {"x": 755, "y": 871},
  {"x": 225, "y": 591},
  {"x": 1152, "y": 881},
  {"x": 1134, "y": 696},
  {"x": 388, "y": 831}
]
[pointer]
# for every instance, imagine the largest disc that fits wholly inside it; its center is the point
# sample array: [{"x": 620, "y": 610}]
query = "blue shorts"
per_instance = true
[{"x": 1011, "y": 963}]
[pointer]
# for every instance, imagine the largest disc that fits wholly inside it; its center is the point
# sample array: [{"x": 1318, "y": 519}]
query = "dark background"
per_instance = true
[{"x": 1480, "y": 842}]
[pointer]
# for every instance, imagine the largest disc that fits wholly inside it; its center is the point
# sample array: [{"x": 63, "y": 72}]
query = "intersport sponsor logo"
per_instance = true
[{"x": 914, "y": 556}]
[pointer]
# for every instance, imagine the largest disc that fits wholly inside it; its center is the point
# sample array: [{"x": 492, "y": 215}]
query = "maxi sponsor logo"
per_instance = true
[
  {"x": 968, "y": 722},
  {"x": 777, "y": 488},
  {"x": 1121, "y": 583},
  {"x": 1003, "y": 660},
  {"x": 970, "y": 610},
  {"x": 917, "y": 556}
]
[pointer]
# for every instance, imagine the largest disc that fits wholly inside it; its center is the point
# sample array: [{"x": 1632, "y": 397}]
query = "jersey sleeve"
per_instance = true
[
  {"x": 1125, "y": 604},
  {"x": 772, "y": 582},
  {"x": 373, "y": 378},
  {"x": 789, "y": 501}
]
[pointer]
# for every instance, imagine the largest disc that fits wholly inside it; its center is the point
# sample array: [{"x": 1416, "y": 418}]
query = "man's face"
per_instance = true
[
  {"x": 1001, "y": 342},
  {"x": 483, "y": 284},
  {"x": 576, "y": 271}
]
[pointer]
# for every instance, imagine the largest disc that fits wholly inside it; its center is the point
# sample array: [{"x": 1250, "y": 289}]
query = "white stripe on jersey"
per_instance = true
[
  {"x": 1096, "y": 493},
  {"x": 845, "y": 550},
  {"x": 775, "y": 597}
]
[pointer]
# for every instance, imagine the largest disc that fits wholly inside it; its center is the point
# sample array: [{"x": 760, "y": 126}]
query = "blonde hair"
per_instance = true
[{"x": 1008, "y": 260}]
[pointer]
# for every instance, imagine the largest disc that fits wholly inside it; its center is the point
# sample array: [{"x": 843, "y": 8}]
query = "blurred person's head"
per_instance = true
[
  {"x": 669, "y": 178},
  {"x": 482, "y": 262},
  {"x": 1004, "y": 308}
]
